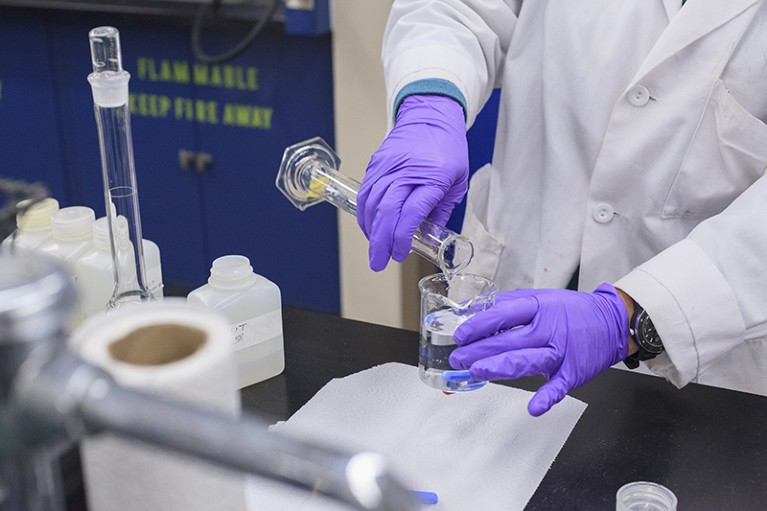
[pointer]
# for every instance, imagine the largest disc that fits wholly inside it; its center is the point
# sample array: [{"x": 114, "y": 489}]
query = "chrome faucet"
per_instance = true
[{"x": 49, "y": 396}]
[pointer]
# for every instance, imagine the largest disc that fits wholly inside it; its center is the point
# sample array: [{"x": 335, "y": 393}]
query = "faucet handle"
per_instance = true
[{"x": 37, "y": 300}]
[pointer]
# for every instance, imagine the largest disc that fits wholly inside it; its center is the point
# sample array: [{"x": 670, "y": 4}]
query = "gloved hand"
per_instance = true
[
  {"x": 568, "y": 336},
  {"x": 421, "y": 170}
]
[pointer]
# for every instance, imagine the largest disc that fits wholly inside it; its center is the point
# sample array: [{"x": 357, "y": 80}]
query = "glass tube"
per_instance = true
[
  {"x": 309, "y": 175},
  {"x": 109, "y": 84}
]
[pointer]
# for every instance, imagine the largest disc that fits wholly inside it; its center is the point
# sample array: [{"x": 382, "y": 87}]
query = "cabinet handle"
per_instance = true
[
  {"x": 304, "y": 5},
  {"x": 202, "y": 162},
  {"x": 198, "y": 161},
  {"x": 185, "y": 158}
]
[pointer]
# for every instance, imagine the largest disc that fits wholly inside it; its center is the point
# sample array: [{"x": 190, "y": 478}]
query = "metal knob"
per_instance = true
[{"x": 37, "y": 300}]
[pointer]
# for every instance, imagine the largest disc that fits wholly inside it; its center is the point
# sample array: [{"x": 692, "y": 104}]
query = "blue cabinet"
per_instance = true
[
  {"x": 235, "y": 118},
  {"x": 30, "y": 148}
]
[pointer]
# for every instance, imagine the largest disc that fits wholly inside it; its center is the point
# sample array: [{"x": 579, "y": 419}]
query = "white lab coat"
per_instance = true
[{"x": 632, "y": 141}]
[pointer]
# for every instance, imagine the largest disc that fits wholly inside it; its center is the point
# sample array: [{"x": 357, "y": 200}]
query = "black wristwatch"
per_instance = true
[{"x": 645, "y": 335}]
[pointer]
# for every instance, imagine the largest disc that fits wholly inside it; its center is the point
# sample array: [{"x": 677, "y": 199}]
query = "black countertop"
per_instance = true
[{"x": 708, "y": 445}]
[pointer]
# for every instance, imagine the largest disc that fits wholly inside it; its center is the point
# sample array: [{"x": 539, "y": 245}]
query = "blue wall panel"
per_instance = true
[
  {"x": 29, "y": 145},
  {"x": 245, "y": 211}
]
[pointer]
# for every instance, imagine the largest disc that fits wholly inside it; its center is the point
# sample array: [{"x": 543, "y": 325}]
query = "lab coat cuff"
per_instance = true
[
  {"x": 432, "y": 62},
  {"x": 437, "y": 87},
  {"x": 691, "y": 305}
]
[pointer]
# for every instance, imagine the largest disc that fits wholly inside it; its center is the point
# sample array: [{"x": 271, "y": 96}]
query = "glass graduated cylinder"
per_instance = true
[
  {"x": 109, "y": 85},
  {"x": 309, "y": 175}
]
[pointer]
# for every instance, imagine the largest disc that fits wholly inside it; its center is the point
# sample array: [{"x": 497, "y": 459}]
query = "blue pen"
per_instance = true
[{"x": 426, "y": 497}]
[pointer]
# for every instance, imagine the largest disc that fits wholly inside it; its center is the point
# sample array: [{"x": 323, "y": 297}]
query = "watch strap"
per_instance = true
[{"x": 635, "y": 328}]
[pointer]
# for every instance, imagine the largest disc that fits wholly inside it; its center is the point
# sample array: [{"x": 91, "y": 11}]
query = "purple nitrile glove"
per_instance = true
[
  {"x": 568, "y": 336},
  {"x": 421, "y": 170}
]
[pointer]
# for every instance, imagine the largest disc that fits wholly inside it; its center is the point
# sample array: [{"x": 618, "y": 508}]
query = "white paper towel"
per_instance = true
[
  {"x": 479, "y": 450},
  {"x": 122, "y": 475}
]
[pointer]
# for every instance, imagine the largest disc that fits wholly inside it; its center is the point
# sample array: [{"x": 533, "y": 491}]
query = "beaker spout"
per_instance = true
[{"x": 309, "y": 174}]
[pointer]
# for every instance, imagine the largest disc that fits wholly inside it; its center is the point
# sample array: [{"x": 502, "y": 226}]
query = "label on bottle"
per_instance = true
[{"x": 257, "y": 330}]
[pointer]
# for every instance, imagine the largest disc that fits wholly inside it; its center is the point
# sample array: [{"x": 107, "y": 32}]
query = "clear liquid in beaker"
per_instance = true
[{"x": 436, "y": 346}]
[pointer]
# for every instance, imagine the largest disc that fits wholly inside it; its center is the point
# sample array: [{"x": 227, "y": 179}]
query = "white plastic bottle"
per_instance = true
[
  {"x": 71, "y": 230},
  {"x": 253, "y": 306},
  {"x": 95, "y": 274},
  {"x": 153, "y": 267},
  {"x": 33, "y": 228},
  {"x": 94, "y": 269}
]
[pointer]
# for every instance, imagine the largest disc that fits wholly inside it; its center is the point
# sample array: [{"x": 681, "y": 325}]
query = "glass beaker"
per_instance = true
[{"x": 446, "y": 302}]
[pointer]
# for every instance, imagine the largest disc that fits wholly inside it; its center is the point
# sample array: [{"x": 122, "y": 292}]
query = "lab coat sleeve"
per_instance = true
[
  {"x": 707, "y": 293},
  {"x": 462, "y": 42}
]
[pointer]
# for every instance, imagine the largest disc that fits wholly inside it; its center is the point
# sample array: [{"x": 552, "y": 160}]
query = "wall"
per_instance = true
[{"x": 391, "y": 296}]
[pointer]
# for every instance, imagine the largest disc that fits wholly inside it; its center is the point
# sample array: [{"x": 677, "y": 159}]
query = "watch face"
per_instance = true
[{"x": 648, "y": 336}]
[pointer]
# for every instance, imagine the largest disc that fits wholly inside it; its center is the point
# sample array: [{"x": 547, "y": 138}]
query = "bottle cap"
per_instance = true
[
  {"x": 74, "y": 223},
  {"x": 37, "y": 217},
  {"x": 231, "y": 272},
  {"x": 101, "y": 232}
]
